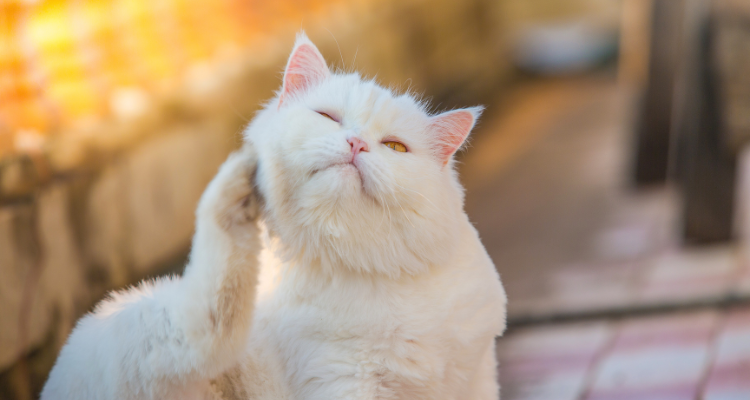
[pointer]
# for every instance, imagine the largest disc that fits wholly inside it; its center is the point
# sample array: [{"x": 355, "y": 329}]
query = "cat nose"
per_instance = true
[{"x": 357, "y": 145}]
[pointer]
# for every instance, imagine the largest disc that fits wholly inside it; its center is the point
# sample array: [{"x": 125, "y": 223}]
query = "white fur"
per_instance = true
[{"x": 373, "y": 283}]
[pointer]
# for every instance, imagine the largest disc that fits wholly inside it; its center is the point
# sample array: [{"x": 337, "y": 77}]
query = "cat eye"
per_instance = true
[
  {"x": 327, "y": 116},
  {"x": 400, "y": 147}
]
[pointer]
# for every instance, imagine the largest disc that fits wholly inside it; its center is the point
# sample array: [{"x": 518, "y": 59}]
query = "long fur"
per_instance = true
[{"x": 314, "y": 273}]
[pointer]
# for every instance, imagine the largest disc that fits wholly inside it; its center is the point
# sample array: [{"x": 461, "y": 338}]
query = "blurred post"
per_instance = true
[
  {"x": 706, "y": 164},
  {"x": 654, "y": 127}
]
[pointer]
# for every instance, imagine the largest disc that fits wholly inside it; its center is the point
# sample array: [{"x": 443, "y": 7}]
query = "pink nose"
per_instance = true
[{"x": 357, "y": 145}]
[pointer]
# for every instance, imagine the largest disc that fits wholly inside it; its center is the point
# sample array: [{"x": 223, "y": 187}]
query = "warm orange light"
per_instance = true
[{"x": 62, "y": 60}]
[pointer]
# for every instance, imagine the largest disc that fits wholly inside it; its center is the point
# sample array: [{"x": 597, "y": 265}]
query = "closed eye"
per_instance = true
[
  {"x": 397, "y": 146},
  {"x": 327, "y": 116}
]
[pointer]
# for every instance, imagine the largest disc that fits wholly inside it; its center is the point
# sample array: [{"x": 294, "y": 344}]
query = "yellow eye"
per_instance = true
[
  {"x": 327, "y": 116},
  {"x": 396, "y": 146}
]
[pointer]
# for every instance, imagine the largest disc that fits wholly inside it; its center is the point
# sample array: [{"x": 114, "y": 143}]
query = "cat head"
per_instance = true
[{"x": 354, "y": 176}]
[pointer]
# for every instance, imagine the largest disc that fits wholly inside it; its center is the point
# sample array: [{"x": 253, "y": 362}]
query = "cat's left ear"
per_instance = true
[
  {"x": 306, "y": 67},
  {"x": 450, "y": 130}
]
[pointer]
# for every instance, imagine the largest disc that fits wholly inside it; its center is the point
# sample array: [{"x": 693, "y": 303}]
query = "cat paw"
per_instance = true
[{"x": 229, "y": 199}]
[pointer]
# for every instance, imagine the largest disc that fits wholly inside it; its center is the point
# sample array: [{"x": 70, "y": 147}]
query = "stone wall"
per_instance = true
[
  {"x": 81, "y": 235},
  {"x": 108, "y": 205}
]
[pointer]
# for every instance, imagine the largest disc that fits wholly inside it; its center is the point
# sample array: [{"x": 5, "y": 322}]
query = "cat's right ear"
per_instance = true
[{"x": 305, "y": 68}]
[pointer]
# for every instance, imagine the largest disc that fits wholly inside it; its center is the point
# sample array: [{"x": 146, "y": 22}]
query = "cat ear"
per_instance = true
[
  {"x": 450, "y": 129},
  {"x": 305, "y": 68}
]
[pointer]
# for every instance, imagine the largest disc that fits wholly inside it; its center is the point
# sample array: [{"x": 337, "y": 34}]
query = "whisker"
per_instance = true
[
  {"x": 343, "y": 64},
  {"x": 354, "y": 61},
  {"x": 405, "y": 214},
  {"x": 383, "y": 217},
  {"x": 390, "y": 221},
  {"x": 434, "y": 207}
]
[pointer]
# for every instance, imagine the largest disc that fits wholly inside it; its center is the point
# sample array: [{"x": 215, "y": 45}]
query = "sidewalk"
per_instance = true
[
  {"x": 702, "y": 354},
  {"x": 604, "y": 302}
]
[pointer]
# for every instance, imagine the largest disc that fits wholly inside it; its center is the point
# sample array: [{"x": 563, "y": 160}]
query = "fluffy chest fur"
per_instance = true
[{"x": 368, "y": 337}]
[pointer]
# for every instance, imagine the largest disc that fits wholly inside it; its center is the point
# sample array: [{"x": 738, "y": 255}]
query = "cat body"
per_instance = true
[
  {"x": 332, "y": 260},
  {"x": 358, "y": 338}
]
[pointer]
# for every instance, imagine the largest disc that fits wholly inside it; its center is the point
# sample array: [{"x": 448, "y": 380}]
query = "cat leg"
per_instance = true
[{"x": 165, "y": 337}]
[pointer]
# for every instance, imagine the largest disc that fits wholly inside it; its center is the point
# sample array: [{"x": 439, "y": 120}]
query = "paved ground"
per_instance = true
[
  {"x": 547, "y": 187},
  {"x": 702, "y": 354}
]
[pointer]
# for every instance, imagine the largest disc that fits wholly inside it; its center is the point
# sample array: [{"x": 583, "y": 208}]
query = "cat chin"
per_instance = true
[
  {"x": 335, "y": 165},
  {"x": 342, "y": 179},
  {"x": 343, "y": 170}
]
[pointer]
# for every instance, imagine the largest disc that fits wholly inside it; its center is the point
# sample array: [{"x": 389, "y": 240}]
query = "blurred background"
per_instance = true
[{"x": 607, "y": 178}]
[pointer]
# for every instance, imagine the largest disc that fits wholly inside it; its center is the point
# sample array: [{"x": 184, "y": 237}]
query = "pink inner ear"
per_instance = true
[
  {"x": 450, "y": 130},
  {"x": 306, "y": 67}
]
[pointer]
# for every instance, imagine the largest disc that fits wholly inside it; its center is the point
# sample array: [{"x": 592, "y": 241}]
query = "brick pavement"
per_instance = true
[{"x": 702, "y": 354}]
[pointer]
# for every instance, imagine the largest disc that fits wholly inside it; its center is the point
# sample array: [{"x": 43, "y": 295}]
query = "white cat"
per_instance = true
[{"x": 373, "y": 284}]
